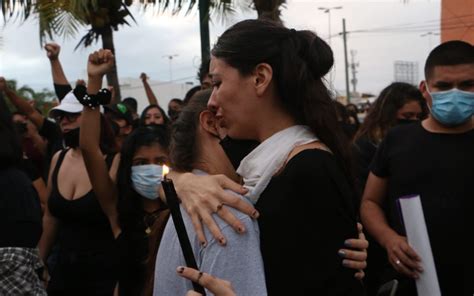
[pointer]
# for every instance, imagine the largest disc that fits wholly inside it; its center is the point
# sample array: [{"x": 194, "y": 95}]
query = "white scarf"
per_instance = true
[{"x": 268, "y": 158}]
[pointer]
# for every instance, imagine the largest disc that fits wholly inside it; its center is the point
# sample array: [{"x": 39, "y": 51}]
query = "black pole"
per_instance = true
[
  {"x": 204, "y": 29},
  {"x": 173, "y": 204}
]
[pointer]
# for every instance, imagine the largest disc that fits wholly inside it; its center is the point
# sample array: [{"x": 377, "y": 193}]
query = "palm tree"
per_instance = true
[
  {"x": 269, "y": 9},
  {"x": 65, "y": 17},
  {"x": 103, "y": 17}
]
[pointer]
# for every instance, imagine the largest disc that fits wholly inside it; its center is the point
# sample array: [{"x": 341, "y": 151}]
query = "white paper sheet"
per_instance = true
[{"x": 417, "y": 235}]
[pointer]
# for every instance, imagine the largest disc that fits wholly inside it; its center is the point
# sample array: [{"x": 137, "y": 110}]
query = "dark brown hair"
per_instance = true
[
  {"x": 183, "y": 135},
  {"x": 299, "y": 60},
  {"x": 383, "y": 114},
  {"x": 449, "y": 53}
]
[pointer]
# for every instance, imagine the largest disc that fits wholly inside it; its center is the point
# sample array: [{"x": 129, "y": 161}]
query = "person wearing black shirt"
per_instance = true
[
  {"x": 20, "y": 218},
  {"x": 433, "y": 159},
  {"x": 46, "y": 128}
]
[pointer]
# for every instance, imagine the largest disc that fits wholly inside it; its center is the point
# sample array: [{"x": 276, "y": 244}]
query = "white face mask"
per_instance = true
[{"x": 146, "y": 180}]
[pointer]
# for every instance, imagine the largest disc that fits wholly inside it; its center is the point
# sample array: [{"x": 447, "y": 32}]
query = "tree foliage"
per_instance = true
[{"x": 44, "y": 99}]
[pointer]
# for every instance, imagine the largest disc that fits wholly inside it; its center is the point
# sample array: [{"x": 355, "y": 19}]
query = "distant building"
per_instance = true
[
  {"x": 405, "y": 71},
  {"x": 164, "y": 91},
  {"x": 457, "y": 20}
]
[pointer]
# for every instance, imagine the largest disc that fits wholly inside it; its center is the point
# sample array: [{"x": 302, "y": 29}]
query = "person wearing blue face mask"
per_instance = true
[
  {"x": 146, "y": 180},
  {"x": 129, "y": 198},
  {"x": 433, "y": 159}
]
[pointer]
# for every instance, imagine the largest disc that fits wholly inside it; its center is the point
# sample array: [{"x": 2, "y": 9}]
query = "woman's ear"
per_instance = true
[
  {"x": 263, "y": 75},
  {"x": 208, "y": 122}
]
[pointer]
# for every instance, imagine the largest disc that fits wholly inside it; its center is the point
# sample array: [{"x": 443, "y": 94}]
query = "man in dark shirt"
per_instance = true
[{"x": 435, "y": 160}]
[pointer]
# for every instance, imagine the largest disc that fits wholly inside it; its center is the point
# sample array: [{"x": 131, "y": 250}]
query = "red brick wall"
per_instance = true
[{"x": 457, "y": 20}]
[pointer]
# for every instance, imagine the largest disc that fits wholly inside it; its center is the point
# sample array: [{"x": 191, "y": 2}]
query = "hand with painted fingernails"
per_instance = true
[
  {"x": 203, "y": 196},
  {"x": 355, "y": 253}
]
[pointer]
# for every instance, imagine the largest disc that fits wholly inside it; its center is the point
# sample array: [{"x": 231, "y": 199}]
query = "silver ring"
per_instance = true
[{"x": 397, "y": 262}]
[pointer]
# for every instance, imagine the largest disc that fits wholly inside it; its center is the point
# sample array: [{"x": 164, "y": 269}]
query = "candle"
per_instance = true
[{"x": 173, "y": 204}]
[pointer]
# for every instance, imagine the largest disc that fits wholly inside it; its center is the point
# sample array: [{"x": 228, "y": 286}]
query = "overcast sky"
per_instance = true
[{"x": 384, "y": 31}]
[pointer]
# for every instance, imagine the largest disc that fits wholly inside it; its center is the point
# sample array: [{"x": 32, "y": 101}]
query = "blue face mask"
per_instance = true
[
  {"x": 146, "y": 180},
  {"x": 452, "y": 107}
]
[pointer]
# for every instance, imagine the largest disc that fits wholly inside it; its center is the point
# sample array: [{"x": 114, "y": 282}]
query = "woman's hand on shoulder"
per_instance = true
[{"x": 203, "y": 196}]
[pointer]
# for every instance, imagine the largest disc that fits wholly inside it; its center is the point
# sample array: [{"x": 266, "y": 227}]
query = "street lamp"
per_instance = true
[
  {"x": 170, "y": 58},
  {"x": 328, "y": 11},
  {"x": 429, "y": 34}
]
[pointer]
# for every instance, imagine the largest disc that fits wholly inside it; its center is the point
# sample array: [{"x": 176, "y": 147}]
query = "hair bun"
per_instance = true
[{"x": 321, "y": 56}]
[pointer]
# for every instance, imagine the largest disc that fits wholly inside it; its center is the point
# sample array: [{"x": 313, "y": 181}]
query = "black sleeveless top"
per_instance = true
[{"x": 87, "y": 259}]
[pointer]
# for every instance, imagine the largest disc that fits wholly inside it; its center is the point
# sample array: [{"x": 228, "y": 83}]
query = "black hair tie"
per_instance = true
[{"x": 103, "y": 97}]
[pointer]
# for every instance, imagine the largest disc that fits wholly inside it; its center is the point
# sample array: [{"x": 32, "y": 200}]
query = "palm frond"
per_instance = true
[
  {"x": 56, "y": 18},
  {"x": 15, "y": 8}
]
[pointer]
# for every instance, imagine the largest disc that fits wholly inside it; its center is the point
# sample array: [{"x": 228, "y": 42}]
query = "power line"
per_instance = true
[
  {"x": 418, "y": 24},
  {"x": 408, "y": 30},
  {"x": 162, "y": 83}
]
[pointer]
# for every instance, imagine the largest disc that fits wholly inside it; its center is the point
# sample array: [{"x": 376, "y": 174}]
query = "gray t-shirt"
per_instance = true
[{"x": 239, "y": 262}]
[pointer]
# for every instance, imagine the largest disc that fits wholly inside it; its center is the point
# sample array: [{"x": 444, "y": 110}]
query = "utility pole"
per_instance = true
[
  {"x": 170, "y": 58},
  {"x": 328, "y": 11},
  {"x": 354, "y": 67},
  {"x": 430, "y": 40},
  {"x": 346, "y": 63},
  {"x": 204, "y": 29}
]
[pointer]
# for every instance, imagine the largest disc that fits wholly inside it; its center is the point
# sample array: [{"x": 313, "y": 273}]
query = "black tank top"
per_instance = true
[{"x": 87, "y": 260}]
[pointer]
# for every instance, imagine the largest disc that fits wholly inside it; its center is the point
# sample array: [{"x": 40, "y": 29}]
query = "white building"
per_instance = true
[{"x": 164, "y": 91}]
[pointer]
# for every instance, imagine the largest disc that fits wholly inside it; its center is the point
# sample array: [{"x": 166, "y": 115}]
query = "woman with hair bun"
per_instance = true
[{"x": 267, "y": 86}]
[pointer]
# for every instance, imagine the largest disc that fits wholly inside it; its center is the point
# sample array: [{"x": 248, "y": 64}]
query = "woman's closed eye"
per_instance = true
[{"x": 215, "y": 84}]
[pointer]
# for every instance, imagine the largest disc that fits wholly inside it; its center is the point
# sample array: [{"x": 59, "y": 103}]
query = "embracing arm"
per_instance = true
[
  {"x": 201, "y": 196},
  {"x": 89, "y": 142},
  {"x": 402, "y": 257},
  {"x": 149, "y": 92}
]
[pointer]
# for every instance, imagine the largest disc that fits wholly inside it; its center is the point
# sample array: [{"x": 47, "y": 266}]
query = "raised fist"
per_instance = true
[
  {"x": 143, "y": 76},
  {"x": 80, "y": 82},
  {"x": 52, "y": 50},
  {"x": 100, "y": 62}
]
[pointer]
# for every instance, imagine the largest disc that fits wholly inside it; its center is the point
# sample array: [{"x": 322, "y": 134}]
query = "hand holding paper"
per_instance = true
[
  {"x": 402, "y": 256},
  {"x": 417, "y": 233}
]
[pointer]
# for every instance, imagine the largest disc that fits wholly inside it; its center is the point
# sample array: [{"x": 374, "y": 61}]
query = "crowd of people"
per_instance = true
[{"x": 277, "y": 181}]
